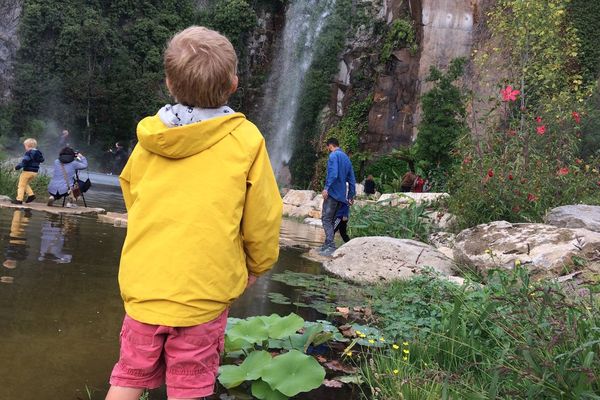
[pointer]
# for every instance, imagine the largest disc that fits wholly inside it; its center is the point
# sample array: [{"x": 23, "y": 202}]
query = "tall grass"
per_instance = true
[
  {"x": 9, "y": 178},
  {"x": 512, "y": 339}
]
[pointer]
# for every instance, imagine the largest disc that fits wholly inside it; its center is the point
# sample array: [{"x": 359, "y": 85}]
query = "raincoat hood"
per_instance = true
[{"x": 188, "y": 140}]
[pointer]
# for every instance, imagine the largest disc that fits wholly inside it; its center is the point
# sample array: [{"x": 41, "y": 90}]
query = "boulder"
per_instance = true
[
  {"x": 299, "y": 197},
  {"x": 313, "y": 221},
  {"x": 441, "y": 220},
  {"x": 296, "y": 212},
  {"x": 575, "y": 216},
  {"x": 442, "y": 239},
  {"x": 317, "y": 202},
  {"x": 547, "y": 251},
  {"x": 397, "y": 199},
  {"x": 116, "y": 219},
  {"x": 314, "y": 214},
  {"x": 376, "y": 259}
]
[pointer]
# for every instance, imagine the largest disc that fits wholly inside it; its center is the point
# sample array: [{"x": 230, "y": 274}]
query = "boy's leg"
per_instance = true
[
  {"x": 22, "y": 185},
  {"x": 192, "y": 356},
  {"x": 123, "y": 393},
  {"x": 28, "y": 188}
]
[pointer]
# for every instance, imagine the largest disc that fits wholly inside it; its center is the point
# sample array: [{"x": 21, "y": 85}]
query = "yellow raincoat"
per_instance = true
[{"x": 204, "y": 211}]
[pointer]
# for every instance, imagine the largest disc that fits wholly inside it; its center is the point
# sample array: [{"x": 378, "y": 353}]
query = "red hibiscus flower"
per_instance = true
[
  {"x": 578, "y": 161},
  {"x": 510, "y": 177},
  {"x": 563, "y": 171},
  {"x": 541, "y": 130},
  {"x": 538, "y": 120},
  {"x": 531, "y": 197},
  {"x": 576, "y": 117},
  {"x": 509, "y": 94},
  {"x": 490, "y": 173}
]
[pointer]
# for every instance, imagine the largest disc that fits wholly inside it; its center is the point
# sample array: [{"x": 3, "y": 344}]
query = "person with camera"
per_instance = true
[{"x": 63, "y": 176}]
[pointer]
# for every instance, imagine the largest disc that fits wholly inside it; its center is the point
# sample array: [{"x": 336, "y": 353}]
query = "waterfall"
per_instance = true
[{"x": 304, "y": 22}]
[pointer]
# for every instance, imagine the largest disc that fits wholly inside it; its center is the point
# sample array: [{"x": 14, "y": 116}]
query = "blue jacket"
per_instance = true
[
  {"x": 31, "y": 161},
  {"x": 343, "y": 211},
  {"x": 340, "y": 172},
  {"x": 57, "y": 184}
]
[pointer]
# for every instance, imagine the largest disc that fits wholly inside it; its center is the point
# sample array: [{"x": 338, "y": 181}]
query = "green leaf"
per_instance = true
[
  {"x": 251, "y": 369},
  {"x": 286, "y": 326},
  {"x": 261, "y": 390},
  {"x": 293, "y": 372},
  {"x": 252, "y": 330}
]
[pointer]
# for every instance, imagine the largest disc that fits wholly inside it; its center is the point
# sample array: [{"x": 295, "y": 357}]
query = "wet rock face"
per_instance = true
[
  {"x": 575, "y": 216},
  {"x": 10, "y": 12},
  {"x": 376, "y": 259},
  {"x": 547, "y": 251}
]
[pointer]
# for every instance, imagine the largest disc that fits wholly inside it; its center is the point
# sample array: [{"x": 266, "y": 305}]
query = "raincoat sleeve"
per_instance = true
[
  {"x": 125, "y": 181},
  {"x": 261, "y": 220}
]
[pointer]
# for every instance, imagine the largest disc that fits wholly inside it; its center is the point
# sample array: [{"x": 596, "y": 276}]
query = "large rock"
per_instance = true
[
  {"x": 575, "y": 216},
  {"x": 396, "y": 199},
  {"x": 299, "y": 197},
  {"x": 290, "y": 210},
  {"x": 547, "y": 251},
  {"x": 376, "y": 259},
  {"x": 317, "y": 202}
]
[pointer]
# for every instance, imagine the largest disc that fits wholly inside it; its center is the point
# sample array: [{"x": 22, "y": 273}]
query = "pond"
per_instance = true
[{"x": 60, "y": 306}]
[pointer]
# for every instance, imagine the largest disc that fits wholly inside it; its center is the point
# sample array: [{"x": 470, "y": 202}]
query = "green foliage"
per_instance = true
[
  {"x": 9, "y": 179},
  {"x": 512, "y": 338},
  {"x": 387, "y": 170},
  {"x": 233, "y": 18},
  {"x": 584, "y": 15},
  {"x": 284, "y": 375},
  {"x": 590, "y": 127},
  {"x": 443, "y": 119},
  {"x": 408, "y": 222},
  {"x": 401, "y": 33}
]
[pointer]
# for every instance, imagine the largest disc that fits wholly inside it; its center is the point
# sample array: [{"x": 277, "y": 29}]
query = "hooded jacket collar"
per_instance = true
[{"x": 188, "y": 140}]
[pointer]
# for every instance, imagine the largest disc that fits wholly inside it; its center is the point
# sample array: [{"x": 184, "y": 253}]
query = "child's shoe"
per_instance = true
[
  {"x": 30, "y": 198},
  {"x": 16, "y": 201}
]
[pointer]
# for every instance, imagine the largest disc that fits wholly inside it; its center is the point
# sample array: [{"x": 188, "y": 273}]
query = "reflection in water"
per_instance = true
[
  {"x": 54, "y": 232},
  {"x": 16, "y": 247}
]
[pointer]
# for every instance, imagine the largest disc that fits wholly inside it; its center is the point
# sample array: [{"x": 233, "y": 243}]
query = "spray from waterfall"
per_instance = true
[{"x": 304, "y": 23}]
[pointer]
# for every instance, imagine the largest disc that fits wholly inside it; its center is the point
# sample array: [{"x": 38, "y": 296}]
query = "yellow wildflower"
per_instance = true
[
  {"x": 359, "y": 333},
  {"x": 381, "y": 339},
  {"x": 396, "y": 372},
  {"x": 362, "y": 335},
  {"x": 488, "y": 251},
  {"x": 404, "y": 343},
  {"x": 395, "y": 346},
  {"x": 349, "y": 353},
  {"x": 405, "y": 358},
  {"x": 406, "y": 351},
  {"x": 517, "y": 263},
  {"x": 371, "y": 341}
]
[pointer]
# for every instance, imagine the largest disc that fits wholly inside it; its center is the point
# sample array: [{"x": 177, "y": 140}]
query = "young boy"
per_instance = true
[
  {"x": 30, "y": 164},
  {"x": 204, "y": 218}
]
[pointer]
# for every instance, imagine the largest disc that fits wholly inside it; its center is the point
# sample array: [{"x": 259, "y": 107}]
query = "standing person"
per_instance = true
[
  {"x": 339, "y": 173},
  {"x": 30, "y": 164},
  {"x": 120, "y": 158},
  {"x": 63, "y": 139},
  {"x": 408, "y": 180},
  {"x": 63, "y": 175},
  {"x": 181, "y": 267},
  {"x": 369, "y": 185},
  {"x": 341, "y": 221}
]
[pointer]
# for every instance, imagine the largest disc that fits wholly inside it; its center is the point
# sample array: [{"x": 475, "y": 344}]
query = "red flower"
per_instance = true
[
  {"x": 516, "y": 209},
  {"x": 531, "y": 197},
  {"x": 578, "y": 161},
  {"x": 541, "y": 130},
  {"x": 467, "y": 160},
  {"x": 598, "y": 183},
  {"x": 490, "y": 173},
  {"x": 538, "y": 120},
  {"x": 511, "y": 132},
  {"x": 508, "y": 94},
  {"x": 576, "y": 117},
  {"x": 510, "y": 177},
  {"x": 563, "y": 171}
]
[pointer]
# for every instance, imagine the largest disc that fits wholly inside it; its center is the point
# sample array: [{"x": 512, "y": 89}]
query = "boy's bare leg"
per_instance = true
[
  {"x": 124, "y": 393},
  {"x": 178, "y": 398}
]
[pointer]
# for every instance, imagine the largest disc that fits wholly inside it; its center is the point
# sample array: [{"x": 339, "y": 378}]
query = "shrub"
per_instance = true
[
  {"x": 401, "y": 33},
  {"x": 399, "y": 222},
  {"x": 512, "y": 338},
  {"x": 9, "y": 178}
]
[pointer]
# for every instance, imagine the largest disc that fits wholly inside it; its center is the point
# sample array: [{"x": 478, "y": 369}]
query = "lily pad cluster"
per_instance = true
[{"x": 273, "y": 377}]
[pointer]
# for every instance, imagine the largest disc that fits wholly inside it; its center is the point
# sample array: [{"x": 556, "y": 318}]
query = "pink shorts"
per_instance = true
[{"x": 187, "y": 357}]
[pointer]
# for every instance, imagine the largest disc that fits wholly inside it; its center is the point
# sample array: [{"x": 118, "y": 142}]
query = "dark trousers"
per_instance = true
[
  {"x": 330, "y": 208},
  {"x": 340, "y": 225}
]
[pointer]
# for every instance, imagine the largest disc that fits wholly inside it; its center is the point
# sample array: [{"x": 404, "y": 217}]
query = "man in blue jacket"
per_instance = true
[{"x": 339, "y": 173}]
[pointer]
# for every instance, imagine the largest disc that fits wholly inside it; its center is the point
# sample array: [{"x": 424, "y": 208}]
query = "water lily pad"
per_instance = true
[
  {"x": 285, "y": 326},
  {"x": 252, "y": 330},
  {"x": 261, "y": 390},
  {"x": 293, "y": 372},
  {"x": 251, "y": 369},
  {"x": 278, "y": 298}
]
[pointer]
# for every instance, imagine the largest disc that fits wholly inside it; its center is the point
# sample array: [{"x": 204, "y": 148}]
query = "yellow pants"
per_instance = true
[{"x": 24, "y": 179}]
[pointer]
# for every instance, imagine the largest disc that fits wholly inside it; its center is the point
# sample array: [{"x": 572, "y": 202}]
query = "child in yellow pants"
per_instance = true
[{"x": 30, "y": 164}]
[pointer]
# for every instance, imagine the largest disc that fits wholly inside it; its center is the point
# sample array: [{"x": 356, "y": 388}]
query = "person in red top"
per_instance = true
[{"x": 418, "y": 185}]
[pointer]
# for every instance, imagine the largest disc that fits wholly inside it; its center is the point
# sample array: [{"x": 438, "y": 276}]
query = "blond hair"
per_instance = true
[
  {"x": 201, "y": 67},
  {"x": 30, "y": 143}
]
